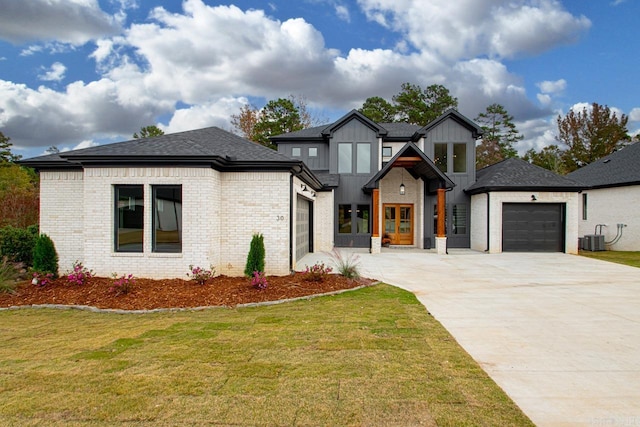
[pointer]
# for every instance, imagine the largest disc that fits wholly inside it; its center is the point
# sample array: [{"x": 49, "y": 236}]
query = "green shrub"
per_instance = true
[
  {"x": 17, "y": 243},
  {"x": 255, "y": 258},
  {"x": 8, "y": 275},
  {"x": 45, "y": 257}
]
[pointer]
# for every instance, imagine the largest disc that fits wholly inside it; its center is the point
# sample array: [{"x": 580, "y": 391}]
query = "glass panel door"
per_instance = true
[{"x": 398, "y": 224}]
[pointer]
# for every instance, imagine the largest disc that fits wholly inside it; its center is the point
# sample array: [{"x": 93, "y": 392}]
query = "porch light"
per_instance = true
[{"x": 402, "y": 189}]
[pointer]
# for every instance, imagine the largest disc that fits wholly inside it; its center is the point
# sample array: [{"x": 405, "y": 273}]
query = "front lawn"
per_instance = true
[
  {"x": 371, "y": 357},
  {"x": 620, "y": 257}
]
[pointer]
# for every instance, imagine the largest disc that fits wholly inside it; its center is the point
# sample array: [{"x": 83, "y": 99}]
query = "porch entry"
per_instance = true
[{"x": 398, "y": 223}]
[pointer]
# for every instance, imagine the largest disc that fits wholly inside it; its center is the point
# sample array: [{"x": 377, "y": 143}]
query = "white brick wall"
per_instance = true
[
  {"x": 61, "y": 214},
  {"x": 613, "y": 206},
  {"x": 221, "y": 211},
  {"x": 478, "y": 217},
  {"x": 323, "y": 222},
  {"x": 255, "y": 202}
]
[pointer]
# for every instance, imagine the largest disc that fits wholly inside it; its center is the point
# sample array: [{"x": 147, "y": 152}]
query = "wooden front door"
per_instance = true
[{"x": 398, "y": 223}]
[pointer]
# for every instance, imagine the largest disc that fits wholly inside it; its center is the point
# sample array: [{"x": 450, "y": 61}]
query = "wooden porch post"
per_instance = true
[
  {"x": 441, "y": 213},
  {"x": 376, "y": 213}
]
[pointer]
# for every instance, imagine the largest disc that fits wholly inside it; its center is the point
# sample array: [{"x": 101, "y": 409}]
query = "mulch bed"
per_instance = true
[{"x": 148, "y": 294}]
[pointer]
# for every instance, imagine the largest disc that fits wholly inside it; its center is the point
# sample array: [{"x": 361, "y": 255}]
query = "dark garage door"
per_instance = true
[
  {"x": 303, "y": 227},
  {"x": 533, "y": 227}
]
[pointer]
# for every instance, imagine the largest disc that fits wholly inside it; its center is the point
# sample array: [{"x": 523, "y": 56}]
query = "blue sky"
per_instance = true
[{"x": 76, "y": 73}]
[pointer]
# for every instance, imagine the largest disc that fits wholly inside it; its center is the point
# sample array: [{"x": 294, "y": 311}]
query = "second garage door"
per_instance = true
[
  {"x": 533, "y": 227},
  {"x": 303, "y": 227}
]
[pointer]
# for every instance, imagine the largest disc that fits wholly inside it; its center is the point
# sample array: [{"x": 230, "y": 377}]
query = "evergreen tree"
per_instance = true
[
  {"x": 379, "y": 110},
  {"x": 45, "y": 257},
  {"x": 500, "y": 134},
  {"x": 256, "y": 256},
  {"x": 149, "y": 132}
]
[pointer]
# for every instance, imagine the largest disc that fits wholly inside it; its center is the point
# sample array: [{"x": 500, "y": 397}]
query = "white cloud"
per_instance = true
[
  {"x": 544, "y": 99},
  {"x": 465, "y": 29},
  {"x": 204, "y": 115},
  {"x": 343, "y": 13},
  {"x": 634, "y": 115},
  {"x": 552, "y": 87},
  {"x": 87, "y": 143},
  {"x": 67, "y": 21},
  {"x": 55, "y": 73}
]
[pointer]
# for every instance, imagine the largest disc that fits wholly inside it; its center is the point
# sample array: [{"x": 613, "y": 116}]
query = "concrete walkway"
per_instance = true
[{"x": 559, "y": 333}]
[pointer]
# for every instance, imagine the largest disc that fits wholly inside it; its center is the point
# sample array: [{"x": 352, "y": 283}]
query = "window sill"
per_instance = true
[
  {"x": 165, "y": 255},
  {"x": 128, "y": 254}
]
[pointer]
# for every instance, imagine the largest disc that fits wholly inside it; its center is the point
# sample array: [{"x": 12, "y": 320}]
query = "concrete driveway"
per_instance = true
[{"x": 559, "y": 333}]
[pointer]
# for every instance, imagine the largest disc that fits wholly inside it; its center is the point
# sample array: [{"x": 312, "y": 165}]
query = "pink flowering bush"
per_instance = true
[
  {"x": 200, "y": 274},
  {"x": 259, "y": 280},
  {"x": 79, "y": 275},
  {"x": 317, "y": 272},
  {"x": 42, "y": 279},
  {"x": 122, "y": 285}
]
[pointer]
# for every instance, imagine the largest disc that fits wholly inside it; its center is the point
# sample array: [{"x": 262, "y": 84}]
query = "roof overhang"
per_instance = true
[{"x": 411, "y": 158}]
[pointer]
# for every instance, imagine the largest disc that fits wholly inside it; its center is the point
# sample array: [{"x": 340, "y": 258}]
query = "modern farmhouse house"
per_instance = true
[{"x": 154, "y": 206}]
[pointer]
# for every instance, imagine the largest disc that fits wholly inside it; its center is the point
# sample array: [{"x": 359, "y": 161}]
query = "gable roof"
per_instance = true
[
  {"x": 425, "y": 169},
  {"x": 615, "y": 170},
  {"x": 455, "y": 115},
  {"x": 212, "y": 147},
  {"x": 518, "y": 175}
]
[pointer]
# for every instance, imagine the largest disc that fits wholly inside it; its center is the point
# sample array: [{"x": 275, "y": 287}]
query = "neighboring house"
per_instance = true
[
  {"x": 154, "y": 206},
  {"x": 610, "y": 203}
]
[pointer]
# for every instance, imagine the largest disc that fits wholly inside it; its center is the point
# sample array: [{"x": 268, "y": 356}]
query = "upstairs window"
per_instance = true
[
  {"x": 440, "y": 156},
  {"x": 459, "y": 158},
  {"x": 129, "y": 218},
  {"x": 313, "y": 152},
  {"x": 345, "y": 157},
  {"x": 363, "y": 154},
  {"x": 387, "y": 152},
  {"x": 295, "y": 152}
]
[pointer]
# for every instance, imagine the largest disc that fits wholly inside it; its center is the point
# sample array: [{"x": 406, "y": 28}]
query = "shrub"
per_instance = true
[
  {"x": 42, "y": 279},
  {"x": 347, "y": 266},
  {"x": 45, "y": 257},
  {"x": 8, "y": 275},
  {"x": 122, "y": 285},
  {"x": 255, "y": 258},
  {"x": 259, "y": 280},
  {"x": 201, "y": 275},
  {"x": 17, "y": 243},
  {"x": 317, "y": 272},
  {"x": 79, "y": 275}
]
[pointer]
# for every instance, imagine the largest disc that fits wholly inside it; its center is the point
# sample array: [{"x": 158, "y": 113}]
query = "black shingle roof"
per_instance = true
[
  {"x": 517, "y": 175},
  {"x": 204, "y": 143},
  {"x": 617, "y": 169}
]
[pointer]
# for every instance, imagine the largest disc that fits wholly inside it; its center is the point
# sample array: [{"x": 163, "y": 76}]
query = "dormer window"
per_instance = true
[{"x": 440, "y": 156}]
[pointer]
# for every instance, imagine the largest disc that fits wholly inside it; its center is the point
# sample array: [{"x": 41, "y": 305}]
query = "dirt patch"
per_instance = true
[{"x": 147, "y": 294}]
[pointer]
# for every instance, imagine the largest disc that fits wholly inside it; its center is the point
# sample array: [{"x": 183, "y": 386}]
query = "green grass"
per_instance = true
[
  {"x": 620, "y": 257},
  {"x": 372, "y": 357}
]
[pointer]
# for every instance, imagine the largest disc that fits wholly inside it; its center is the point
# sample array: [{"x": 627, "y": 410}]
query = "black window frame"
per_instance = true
[
  {"x": 119, "y": 219},
  {"x": 167, "y": 247}
]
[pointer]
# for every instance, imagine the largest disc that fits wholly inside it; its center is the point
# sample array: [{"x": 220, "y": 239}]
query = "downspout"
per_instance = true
[{"x": 488, "y": 221}]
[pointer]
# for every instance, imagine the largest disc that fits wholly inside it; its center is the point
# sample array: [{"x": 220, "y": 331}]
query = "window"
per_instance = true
[
  {"x": 313, "y": 152},
  {"x": 459, "y": 158},
  {"x": 584, "y": 206},
  {"x": 295, "y": 152},
  {"x": 167, "y": 218},
  {"x": 362, "y": 225},
  {"x": 344, "y": 219},
  {"x": 345, "y": 158},
  {"x": 459, "y": 217},
  {"x": 363, "y": 154},
  {"x": 440, "y": 156},
  {"x": 387, "y": 152},
  {"x": 129, "y": 218}
]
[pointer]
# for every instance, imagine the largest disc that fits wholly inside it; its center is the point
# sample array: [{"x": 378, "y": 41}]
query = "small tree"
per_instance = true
[
  {"x": 255, "y": 258},
  {"x": 149, "y": 132},
  {"x": 45, "y": 257}
]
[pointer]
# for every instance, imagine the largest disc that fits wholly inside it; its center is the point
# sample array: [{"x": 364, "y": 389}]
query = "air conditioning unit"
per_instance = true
[{"x": 593, "y": 242}]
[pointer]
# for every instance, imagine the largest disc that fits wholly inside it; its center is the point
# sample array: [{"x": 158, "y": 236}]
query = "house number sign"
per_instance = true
[{"x": 280, "y": 218}]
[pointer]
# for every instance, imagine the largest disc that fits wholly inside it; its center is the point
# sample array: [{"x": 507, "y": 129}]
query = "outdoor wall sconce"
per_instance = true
[
  {"x": 304, "y": 187},
  {"x": 402, "y": 188},
  {"x": 533, "y": 198}
]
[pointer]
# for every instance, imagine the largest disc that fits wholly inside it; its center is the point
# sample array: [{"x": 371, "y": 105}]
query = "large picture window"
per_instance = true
[
  {"x": 344, "y": 219},
  {"x": 440, "y": 156},
  {"x": 459, "y": 158},
  {"x": 363, "y": 219},
  {"x": 129, "y": 218},
  {"x": 363, "y": 153},
  {"x": 167, "y": 218}
]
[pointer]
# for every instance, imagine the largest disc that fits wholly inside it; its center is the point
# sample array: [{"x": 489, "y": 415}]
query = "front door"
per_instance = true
[{"x": 398, "y": 223}]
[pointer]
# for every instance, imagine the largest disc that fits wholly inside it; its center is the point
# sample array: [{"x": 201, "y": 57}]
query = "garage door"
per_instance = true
[
  {"x": 533, "y": 227},
  {"x": 303, "y": 225}
]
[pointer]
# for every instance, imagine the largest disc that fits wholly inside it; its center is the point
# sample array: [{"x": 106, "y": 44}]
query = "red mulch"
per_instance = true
[{"x": 147, "y": 294}]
